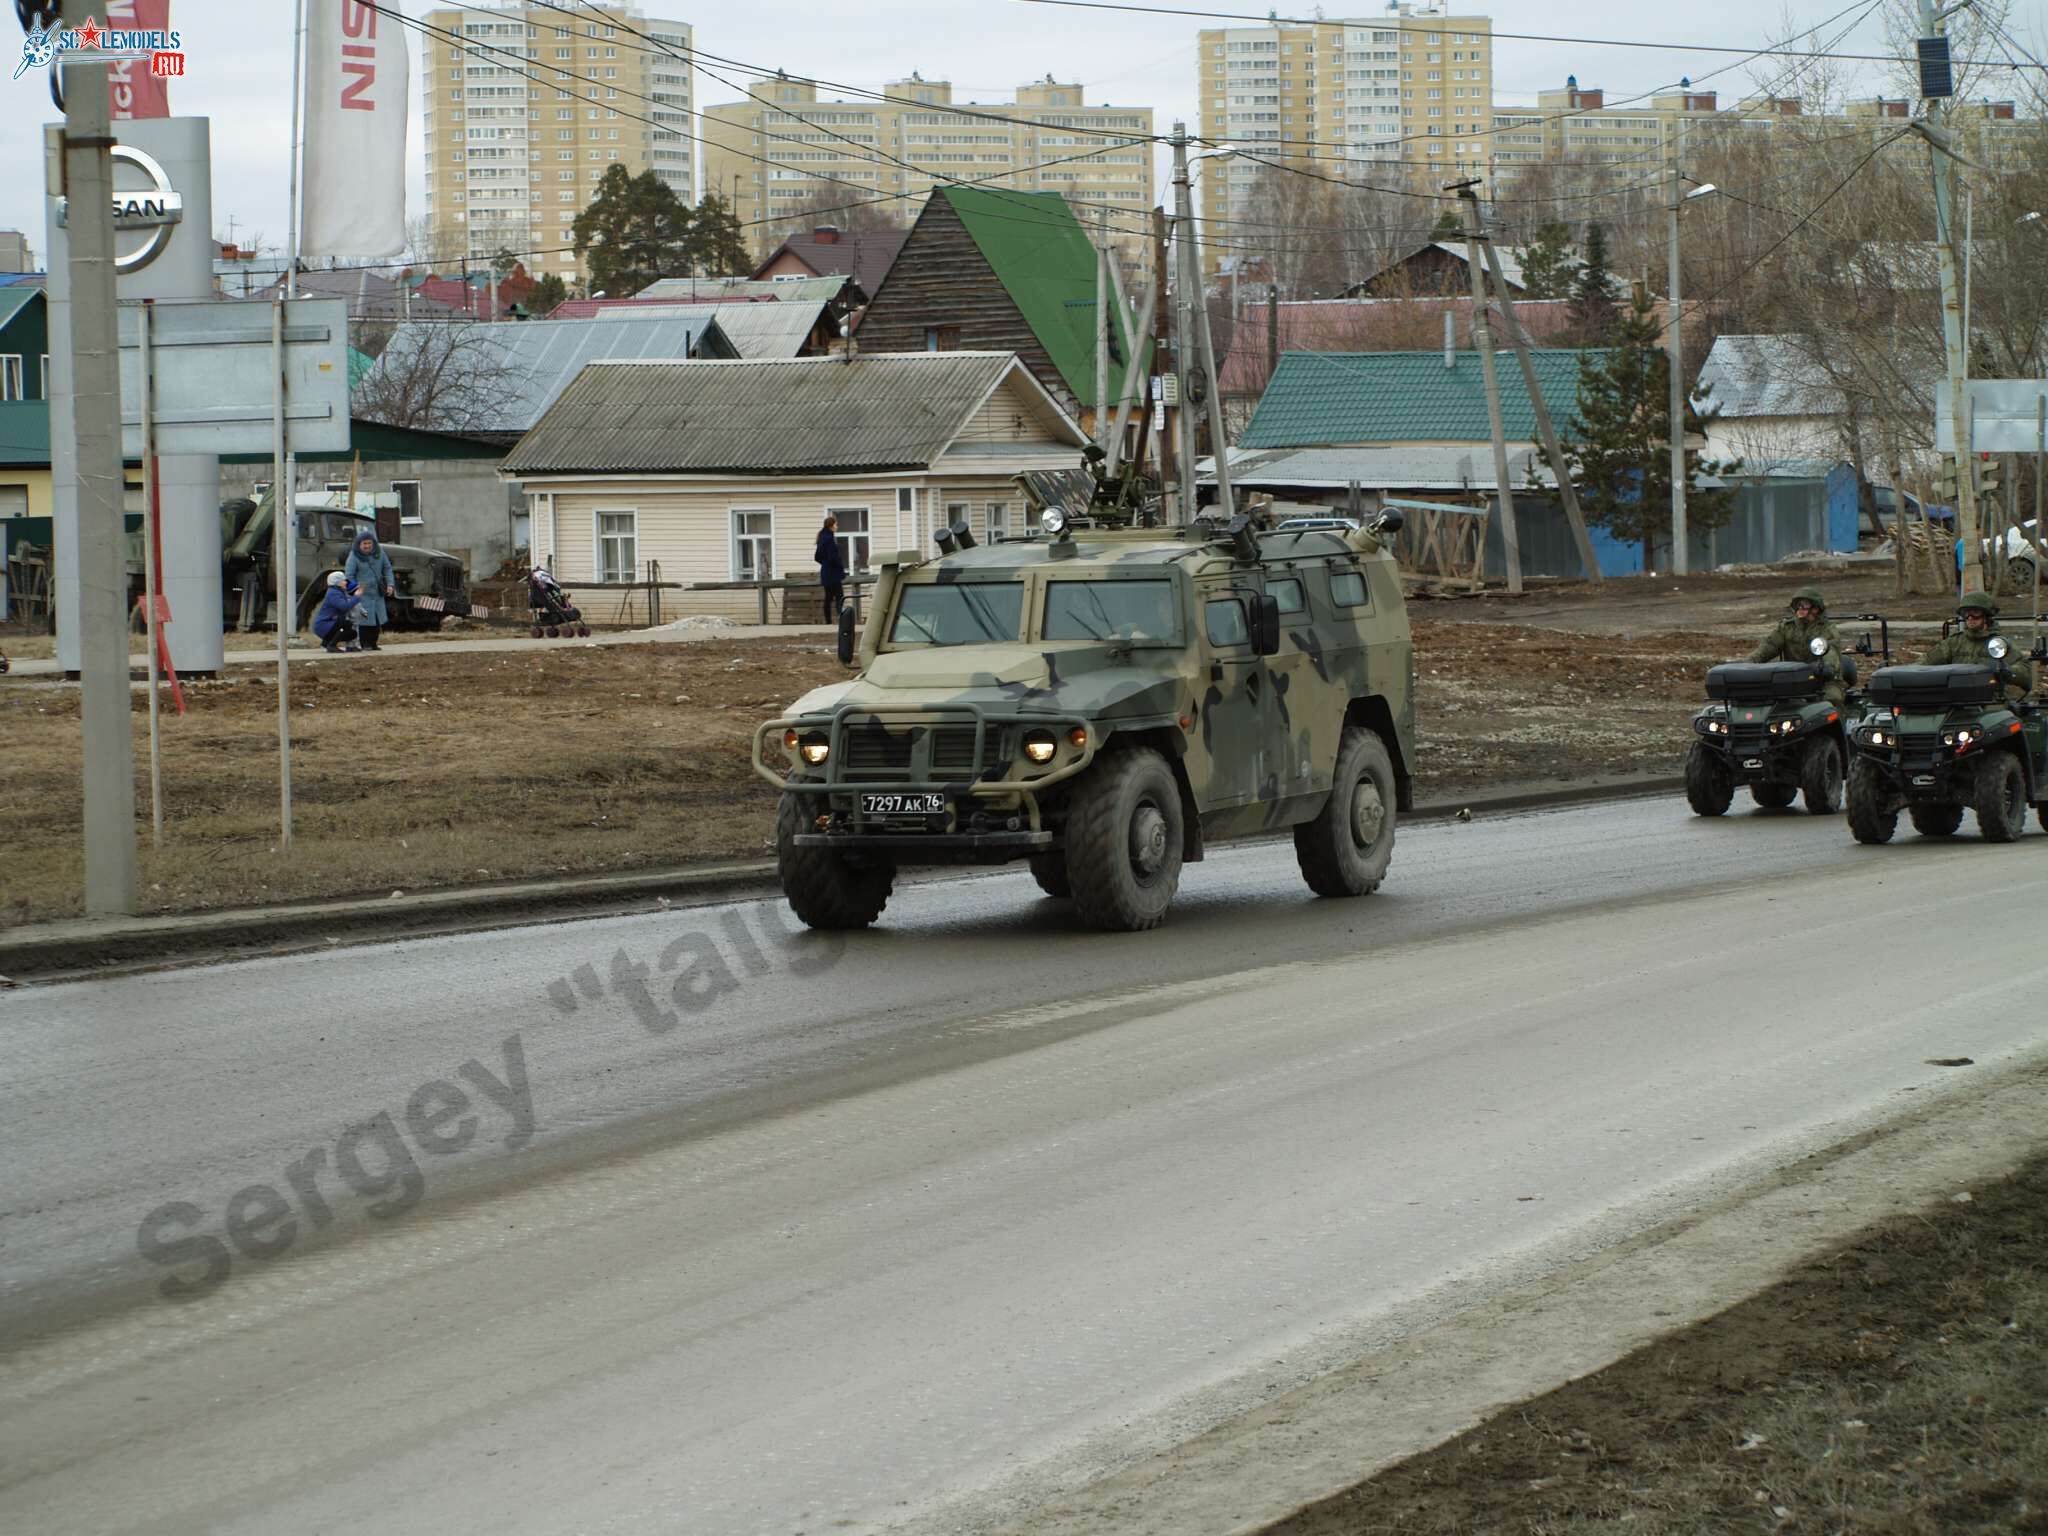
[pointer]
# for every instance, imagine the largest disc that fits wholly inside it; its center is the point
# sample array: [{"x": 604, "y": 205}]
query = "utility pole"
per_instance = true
[
  {"x": 1102, "y": 333},
  {"x": 1482, "y": 341},
  {"x": 1184, "y": 319},
  {"x": 1675, "y": 345},
  {"x": 1933, "y": 25},
  {"x": 1162, "y": 318},
  {"x": 108, "y": 733}
]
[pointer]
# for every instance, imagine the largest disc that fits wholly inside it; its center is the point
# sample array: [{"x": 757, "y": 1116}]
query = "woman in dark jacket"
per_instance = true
[{"x": 831, "y": 568}]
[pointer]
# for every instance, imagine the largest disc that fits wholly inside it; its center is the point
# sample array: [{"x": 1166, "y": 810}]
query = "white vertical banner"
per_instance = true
[{"x": 354, "y": 188}]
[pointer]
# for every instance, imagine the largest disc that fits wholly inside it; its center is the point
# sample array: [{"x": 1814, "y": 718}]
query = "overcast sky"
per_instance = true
[{"x": 238, "y": 69}]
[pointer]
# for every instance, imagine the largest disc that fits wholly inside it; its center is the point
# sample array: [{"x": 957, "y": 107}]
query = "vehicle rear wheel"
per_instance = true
[
  {"x": 1869, "y": 822},
  {"x": 1935, "y": 820},
  {"x": 1709, "y": 786},
  {"x": 1124, "y": 842},
  {"x": 827, "y": 887},
  {"x": 1346, "y": 849},
  {"x": 1820, "y": 776},
  {"x": 2000, "y": 800},
  {"x": 1773, "y": 797},
  {"x": 1050, "y": 871}
]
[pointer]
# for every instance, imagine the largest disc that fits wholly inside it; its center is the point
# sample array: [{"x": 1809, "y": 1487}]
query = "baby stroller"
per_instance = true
[{"x": 552, "y": 613}]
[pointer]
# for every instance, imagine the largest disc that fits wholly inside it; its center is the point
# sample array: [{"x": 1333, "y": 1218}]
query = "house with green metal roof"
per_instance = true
[
  {"x": 991, "y": 270},
  {"x": 1405, "y": 399},
  {"x": 24, "y": 343}
]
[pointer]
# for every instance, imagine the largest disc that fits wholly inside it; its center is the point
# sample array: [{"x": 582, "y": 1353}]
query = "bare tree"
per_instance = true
[{"x": 446, "y": 376}]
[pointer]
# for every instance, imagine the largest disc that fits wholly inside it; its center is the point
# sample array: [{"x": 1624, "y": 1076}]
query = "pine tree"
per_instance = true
[
  {"x": 1617, "y": 448},
  {"x": 548, "y": 292},
  {"x": 1593, "y": 311},
  {"x": 1449, "y": 226},
  {"x": 635, "y": 230},
  {"x": 717, "y": 245},
  {"x": 1547, "y": 262}
]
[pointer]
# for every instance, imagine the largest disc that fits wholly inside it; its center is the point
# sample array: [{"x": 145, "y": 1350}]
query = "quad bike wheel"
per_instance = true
[
  {"x": 1820, "y": 776},
  {"x": 2001, "y": 798},
  {"x": 1931, "y": 820},
  {"x": 1773, "y": 797},
  {"x": 1869, "y": 822},
  {"x": 1708, "y": 786}
]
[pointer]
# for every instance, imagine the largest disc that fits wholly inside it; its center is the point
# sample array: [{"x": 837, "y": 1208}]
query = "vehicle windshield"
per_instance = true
[
  {"x": 959, "y": 613},
  {"x": 1109, "y": 610}
]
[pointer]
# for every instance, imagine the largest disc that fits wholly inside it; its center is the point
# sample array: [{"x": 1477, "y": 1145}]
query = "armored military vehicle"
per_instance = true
[
  {"x": 1939, "y": 740},
  {"x": 1771, "y": 726},
  {"x": 1104, "y": 703}
]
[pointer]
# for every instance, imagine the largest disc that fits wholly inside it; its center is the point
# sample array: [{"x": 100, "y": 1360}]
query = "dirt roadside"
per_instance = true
[
  {"x": 431, "y": 772},
  {"x": 1897, "y": 1385}
]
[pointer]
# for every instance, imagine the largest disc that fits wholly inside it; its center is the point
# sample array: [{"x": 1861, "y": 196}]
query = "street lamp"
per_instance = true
[{"x": 1675, "y": 347}]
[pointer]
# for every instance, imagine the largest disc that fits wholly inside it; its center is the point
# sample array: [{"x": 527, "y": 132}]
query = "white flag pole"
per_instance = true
[{"x": 284, "y": 501}]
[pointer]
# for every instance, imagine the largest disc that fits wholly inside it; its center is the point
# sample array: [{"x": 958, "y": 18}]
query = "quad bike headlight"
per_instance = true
[{"x": 815, "y": 748}]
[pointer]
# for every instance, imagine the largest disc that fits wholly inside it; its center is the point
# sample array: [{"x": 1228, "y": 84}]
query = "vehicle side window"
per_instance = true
[
  {"x": 1347, "y": 589},
  {"x": 343, "y": 530},
  {"x": 1225, "y": 620},
  {"x": 309, "y": 525},
  {"x": 1287, "y": 591}
]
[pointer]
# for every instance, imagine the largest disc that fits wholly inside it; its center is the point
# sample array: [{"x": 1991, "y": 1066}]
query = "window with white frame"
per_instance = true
[
  {"x": 408, "y": 501},
  {"x": 618, "y": 545},
  {"x": 957, "y": 512},
  {"x": 10, "y": 377},
  {"x": 998, "y": 520},
  {"x": 856, "y": 537},
  {"x": 753, "y": 543}
]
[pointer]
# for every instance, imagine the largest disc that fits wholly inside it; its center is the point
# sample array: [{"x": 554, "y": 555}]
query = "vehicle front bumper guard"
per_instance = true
[{"x": 907, "y": 718}]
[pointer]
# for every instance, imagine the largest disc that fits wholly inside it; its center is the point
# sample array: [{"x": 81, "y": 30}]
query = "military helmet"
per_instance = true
[
  {"x": 1809, "y": 595},
  {"x": 1978, "y": 600}
]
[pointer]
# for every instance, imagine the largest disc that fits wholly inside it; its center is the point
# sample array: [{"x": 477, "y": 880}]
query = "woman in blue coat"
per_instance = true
[{"x": 369, "y": 568}]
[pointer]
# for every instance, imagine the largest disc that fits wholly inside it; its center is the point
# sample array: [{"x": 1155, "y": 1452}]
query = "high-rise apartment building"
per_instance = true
[
  {"x": 788, "y": 160},
  {"x": 527, "y": 107},
  {"x": 1410, "y": 90}
]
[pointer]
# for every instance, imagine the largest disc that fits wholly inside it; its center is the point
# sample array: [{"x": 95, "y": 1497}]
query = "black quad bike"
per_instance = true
[
  {"x": 1937, "y": 741},
  {"x": 1770, "y": 726}
]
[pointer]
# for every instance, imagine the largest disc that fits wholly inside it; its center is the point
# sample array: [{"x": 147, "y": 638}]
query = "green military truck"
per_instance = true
[
  {"x": 1104, "y": 703},
  {"x": 431, "y": 584}
]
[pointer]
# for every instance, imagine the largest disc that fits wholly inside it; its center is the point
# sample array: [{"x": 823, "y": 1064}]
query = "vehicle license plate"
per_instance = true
[
  {"x": 1923, "y": 778},
  {"x": 1752, "y": 762},
  {"x": 903, "y": 803}
]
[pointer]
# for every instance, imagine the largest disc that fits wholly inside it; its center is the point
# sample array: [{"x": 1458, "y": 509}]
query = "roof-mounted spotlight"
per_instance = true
[
  {"x": 944, "y": 539},
  {"x": 963, "y": 536}
]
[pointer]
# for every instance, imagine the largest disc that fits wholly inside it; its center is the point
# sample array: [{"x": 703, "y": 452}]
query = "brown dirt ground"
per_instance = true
[
  {"x": 1898, "y": 1386},
  {"x": 421, "y": 771}
]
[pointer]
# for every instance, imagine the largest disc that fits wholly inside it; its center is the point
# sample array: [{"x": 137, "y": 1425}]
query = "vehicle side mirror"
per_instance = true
[
  {"x": 846, "y": 634},
  {"x": 1817, "y": 647},
  {"x": 1267, "y": 640},
  {"x": 1997, "y": 648}
]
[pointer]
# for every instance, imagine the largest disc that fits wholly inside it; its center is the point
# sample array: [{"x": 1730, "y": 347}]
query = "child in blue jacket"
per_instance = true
[{"x": 331, "y": 620}]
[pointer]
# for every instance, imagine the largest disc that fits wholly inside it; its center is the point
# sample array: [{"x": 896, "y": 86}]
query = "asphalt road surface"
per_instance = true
[{"x": 678, "y": 1223}]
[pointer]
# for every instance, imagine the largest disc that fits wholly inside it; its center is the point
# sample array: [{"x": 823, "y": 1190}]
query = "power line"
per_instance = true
[{"x": 1271, "y": 19}]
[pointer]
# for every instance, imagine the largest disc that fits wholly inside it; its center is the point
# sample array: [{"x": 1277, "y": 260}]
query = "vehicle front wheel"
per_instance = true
[
  {"x": 1709, "y": 786},
  {"x": 1820, "y": 776},
  {"x": 1773, "y": 797},
  {"x": 1124, "y": 842},
  {"x": 2000, "y": 800},
  {"x": 1050, "y": 871},
  {"x": 1869, "y": 821},
  {"x": 1935, "y": 820},
  {"x": 827, "y": 887},
  {"x": 1346, "y": 849}
]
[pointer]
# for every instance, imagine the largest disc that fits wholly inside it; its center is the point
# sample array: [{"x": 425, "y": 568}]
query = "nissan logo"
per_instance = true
[{"x": 156, "y": 208}]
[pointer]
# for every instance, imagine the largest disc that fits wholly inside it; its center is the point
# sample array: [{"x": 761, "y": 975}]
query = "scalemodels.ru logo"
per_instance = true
[{"x": 163, "y": 49}]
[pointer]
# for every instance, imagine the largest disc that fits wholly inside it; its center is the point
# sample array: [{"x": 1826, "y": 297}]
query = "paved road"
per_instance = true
[{"x": 733, "y": 1234}]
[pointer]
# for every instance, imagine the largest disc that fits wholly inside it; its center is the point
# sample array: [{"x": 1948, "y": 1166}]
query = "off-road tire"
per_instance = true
[
  {"x": 1050, "y": 871},
  {"x": 1868, "y": 823},
  {"x": 1773, "y": 797},
  {"x": 1931, "y": 820},
  {"x": 2040, "y": 811},
  {"x": 1709, "y": 786},
  {"x": 1124, "y": 841},
  {"x": 1820, "y": 776},
  {"x": 1346, "y": 849},
  {"x": 2000, "y": 798},
  {"x": 827, "y": 887}
]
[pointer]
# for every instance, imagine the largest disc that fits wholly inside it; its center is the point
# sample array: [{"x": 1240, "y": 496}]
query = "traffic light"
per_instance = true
[
  {"x": 1945, "y": 483},
  {"x": 1987, "y": 477}
]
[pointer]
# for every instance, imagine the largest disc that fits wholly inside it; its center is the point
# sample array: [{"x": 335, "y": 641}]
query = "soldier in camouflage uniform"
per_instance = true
[
  {"x": 1791, "y": 640},
  {"x": 1970, "y": 645}
]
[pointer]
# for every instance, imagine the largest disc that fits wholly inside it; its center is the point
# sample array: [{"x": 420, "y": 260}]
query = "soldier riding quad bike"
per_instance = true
[
  {"x": 1776, "y": 726},
  {"x": 1104, "y": 703},
  {"x": 1957, "y": 732}
]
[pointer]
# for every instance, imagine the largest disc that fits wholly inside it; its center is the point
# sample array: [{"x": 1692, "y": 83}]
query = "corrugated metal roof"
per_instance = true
[
  {"x": 768, "y": 330},
  {"x": 880, "y": 411},
  {"x": 786, "y": 289},
  {"x": 1766, "y": 376},
  {"x": 536, "y": 359},
  {"x": 1323, "y": 399}
]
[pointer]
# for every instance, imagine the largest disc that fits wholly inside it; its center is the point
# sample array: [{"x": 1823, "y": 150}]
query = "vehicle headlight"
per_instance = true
[
  {"x": 815, "y": 748},
  {"x": 1039, "y": 746},
  {"x": 1964, "y": 738}
]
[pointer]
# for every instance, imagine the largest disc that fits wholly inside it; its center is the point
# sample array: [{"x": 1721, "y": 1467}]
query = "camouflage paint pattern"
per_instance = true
[{"x": 1253, "y": 740}]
